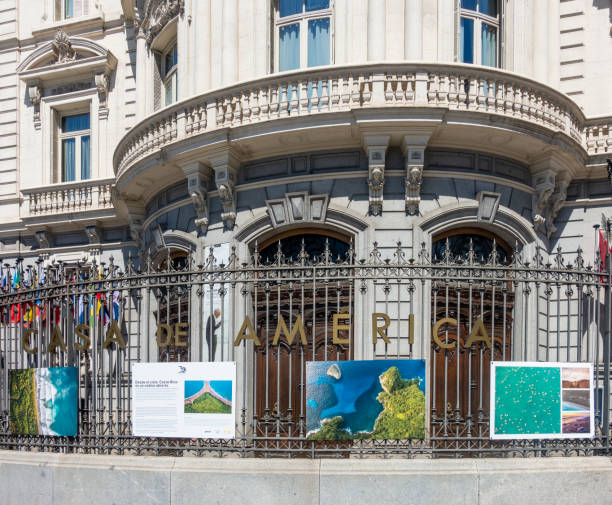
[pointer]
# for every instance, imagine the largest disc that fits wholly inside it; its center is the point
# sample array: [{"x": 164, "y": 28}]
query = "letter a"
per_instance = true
[
  {"x": 479, "y": 334},
  {"x": 282, "y": 327},
  {"x": 113, "y": 329},
  {"x": 244, "y": 335}
]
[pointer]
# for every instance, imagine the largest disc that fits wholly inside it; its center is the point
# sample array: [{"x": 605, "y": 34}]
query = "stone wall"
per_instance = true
[{"x": 56, "y": 479}]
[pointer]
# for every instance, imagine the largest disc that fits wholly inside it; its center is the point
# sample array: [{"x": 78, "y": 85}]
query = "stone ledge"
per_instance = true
[{"x": 54, "y": 479}]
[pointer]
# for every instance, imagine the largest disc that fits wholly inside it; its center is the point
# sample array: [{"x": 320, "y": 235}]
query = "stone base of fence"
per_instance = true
[{"x": 66, "y": 479}]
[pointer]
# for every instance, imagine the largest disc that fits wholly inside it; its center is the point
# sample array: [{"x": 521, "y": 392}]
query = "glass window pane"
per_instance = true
[
  {"x": 289, "y": 53},
  {"x": 290, "y": 7},
  {"x": 467, "y": 41},
  {"x": 170, "y": 60},
  {"x": 75, "y": 123},
  {"x": 468, "y": 4},
  {"x": 85, "y": 155},
  {"x": 169, "y": 92},
  {"x": 318, "y": 42},
  {"x": 68, "y": 160},
  {"x": 315, "y": 5},
  {"x": 488, "y": 7},
  {"x": 489, "y": 45},
  {"x": 68, "y": 8}
]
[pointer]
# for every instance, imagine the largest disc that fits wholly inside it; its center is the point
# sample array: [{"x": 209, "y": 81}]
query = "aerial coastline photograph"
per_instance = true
[
  {"x": 365, "y": 399},
  {"x": 208, "y": 397}
]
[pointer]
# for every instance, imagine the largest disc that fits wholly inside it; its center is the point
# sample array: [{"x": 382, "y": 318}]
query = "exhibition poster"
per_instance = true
[
  {"x": 541, "y": 400},
  {"x": 377, "y": 399},
  {"x": 181, "y": 399},
  {"x": 214, "y": 308},
  {"x": 43, "y": 401}
]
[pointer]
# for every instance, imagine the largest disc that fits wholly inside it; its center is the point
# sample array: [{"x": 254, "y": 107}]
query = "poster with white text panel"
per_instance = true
[{"x": 192, "y": 400}]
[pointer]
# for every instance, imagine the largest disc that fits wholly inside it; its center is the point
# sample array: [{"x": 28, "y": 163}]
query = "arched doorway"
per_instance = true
[
  {"x": 471, "y": 326},
  {"x": 301, "y": 285}
]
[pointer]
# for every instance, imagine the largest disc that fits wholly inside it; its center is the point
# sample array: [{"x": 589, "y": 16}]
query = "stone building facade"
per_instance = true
[{"x": 163, "y": 128}]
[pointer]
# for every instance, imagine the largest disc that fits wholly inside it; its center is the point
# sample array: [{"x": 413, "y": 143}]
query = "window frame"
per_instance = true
[
  {"x": 479, "y": 18},
  {"x": 169, "y": 76},
  {"x": 60, "y": 136},
  {"x": 302, "y": 20},
  {"x": 61, "y": 12}
]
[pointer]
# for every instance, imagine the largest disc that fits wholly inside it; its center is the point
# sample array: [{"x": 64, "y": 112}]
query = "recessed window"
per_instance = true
[
  {"x": 304, "y": 34},
  {"x": 169, "y": 75},
  {"x": 479, "y": 30},
  {"x": 75, "y": 147},
  {"x": 67, "y": 9}
]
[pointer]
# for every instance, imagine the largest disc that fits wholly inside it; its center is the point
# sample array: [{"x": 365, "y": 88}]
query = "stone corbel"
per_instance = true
[
  {"x": 198, "y": 184},
  {"x": 557, "y": 199},
  {"x": 136, "y": 216},
  {"x": 376, "y": 149},
  {"x": 225, "y": 167},
  {"x": 43, "y": 237},
  {"x": 35, "y": 93},
  {"x": 413, "y": 147},
  {"x": 545, "y": 187},
  {"x": 415, "y": 162},
  {"x": 94, "y": 236},
  {"x": 102, "y": 81}
]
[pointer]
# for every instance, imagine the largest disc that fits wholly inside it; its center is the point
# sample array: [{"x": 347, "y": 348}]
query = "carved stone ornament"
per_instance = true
[
  {"x": 62, "y": 48},
  {"x": 414, "y": 178},
  {"x": 551, "y": 193},
  {"x": 376, "y": 179},
  {"x": 200, "y": 204},
  {"x": 228, "y": 200},
  {"x": 102, "y": 82},
  {"x": 43, "y": 238},
  {"x": 159, "y": 12},
  {"x": 35, "y": 94}
]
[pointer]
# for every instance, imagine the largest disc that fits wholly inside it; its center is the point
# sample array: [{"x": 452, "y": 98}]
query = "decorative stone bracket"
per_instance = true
[
  {"x": 297, "y": 208},
  {"x": 225, "y": 167},
  {"x": 35, "y": 93},
  {"x": 43, "y": 237},
  {"x": 376, "y": 149},
  {"x": 415, "y": 162},
  {"x": 94, "y": 236},
  {"x": 551, "y": 192},
  {"x": 199, "y": 179},
  {"x": 102, "y": 81}
]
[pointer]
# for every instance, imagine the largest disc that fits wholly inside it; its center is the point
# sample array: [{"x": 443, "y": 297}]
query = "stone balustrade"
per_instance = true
[
  {"x": 336, "y": 89},
  {"x": 597, "y": 135},
  {"x": 68, "y": 197}
]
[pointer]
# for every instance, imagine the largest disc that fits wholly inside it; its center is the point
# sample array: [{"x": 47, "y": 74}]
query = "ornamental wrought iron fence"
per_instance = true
[{"x": 102, "y": 318}]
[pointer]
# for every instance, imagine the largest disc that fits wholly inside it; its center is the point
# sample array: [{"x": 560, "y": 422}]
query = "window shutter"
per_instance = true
[
  {"x": 58, "y": 10},
  {"x": 157, "y": 81},
  {"x": 85, "y": 7},
  {"x": 78, "y": 8}
]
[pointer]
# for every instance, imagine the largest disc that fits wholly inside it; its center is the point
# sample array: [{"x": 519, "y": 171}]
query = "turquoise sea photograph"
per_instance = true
[
  {"x": 375, "y": 399},
  {"x": 44, "y": 401}
]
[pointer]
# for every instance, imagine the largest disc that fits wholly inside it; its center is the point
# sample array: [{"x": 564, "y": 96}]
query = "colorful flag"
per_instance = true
[{"x": 116, "y": 305}]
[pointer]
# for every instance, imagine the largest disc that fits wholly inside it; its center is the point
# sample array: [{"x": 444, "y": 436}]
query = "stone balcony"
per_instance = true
[
  {"x": 465, "y": 106},
  {"x": 88, "y": 199}
]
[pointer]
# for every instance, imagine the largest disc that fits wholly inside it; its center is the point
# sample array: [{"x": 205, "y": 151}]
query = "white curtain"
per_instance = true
[
  {"x": 289, "y": 47},
  {"x": 489, "y": 45},
  {"x": 318, "y": 42}
]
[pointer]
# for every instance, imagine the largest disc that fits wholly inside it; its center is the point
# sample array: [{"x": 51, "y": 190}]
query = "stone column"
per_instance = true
[
  {"x": 376, "y": 30},
  {"x": 413, "y": 38},
  {"x": 141, "y": 77},
  {"x": 230, "y": 42}
]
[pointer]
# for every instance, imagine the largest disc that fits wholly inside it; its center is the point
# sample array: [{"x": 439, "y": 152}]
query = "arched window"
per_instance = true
[
  {"x": 460, "y": 241},
  {"x": 296, "y": 296},
  {"x": 313, "y": 242}
]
